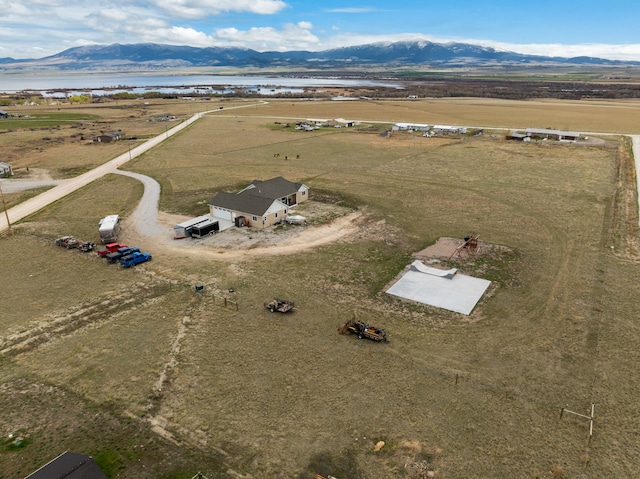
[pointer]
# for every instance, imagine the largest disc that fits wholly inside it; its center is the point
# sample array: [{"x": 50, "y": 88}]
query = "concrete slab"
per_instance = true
[
  {"x": 224, "y": 224},
  {"x": 448, "y": 290}
]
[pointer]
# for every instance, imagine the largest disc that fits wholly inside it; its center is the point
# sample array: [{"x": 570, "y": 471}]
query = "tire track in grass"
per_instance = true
[{"x": 56, "y": 326}]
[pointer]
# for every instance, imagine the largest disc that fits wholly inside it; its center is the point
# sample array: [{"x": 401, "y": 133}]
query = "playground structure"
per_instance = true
[{"x": 470, "y": 245}]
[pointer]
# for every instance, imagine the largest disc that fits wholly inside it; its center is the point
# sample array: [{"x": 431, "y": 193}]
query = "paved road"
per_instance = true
[{"x": 147, "y": 212}]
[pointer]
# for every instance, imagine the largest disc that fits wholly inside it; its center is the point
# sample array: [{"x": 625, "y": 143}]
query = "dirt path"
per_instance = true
[
  {"x": 300, "y": 241},
  {"x": 155, "y": 231},
  {"x": 37, "y": 178}
]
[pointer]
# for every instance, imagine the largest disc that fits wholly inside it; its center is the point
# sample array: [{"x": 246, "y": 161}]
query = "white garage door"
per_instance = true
[{"x": 220, "y": 213}]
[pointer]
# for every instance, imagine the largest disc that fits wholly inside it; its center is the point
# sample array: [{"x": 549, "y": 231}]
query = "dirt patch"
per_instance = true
[
  {"x": 326, "y": 223},
  {"x": 454, "y": 249}
]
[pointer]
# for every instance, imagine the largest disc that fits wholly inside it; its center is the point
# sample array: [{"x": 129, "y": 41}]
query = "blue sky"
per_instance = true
[{"x": 37, "y": 28}]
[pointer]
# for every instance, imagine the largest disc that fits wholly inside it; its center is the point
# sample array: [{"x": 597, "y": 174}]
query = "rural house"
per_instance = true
[
  {"x": 69, "y": 465},
  {"x": 541, "y": 134},
  {"x": 411, "y": 127},
  {"x": 448, "y": 130},
  {"x": 3, "y": 114},
  {"x": 109, "y": 137},
  {"x": 261, "y": 204}
]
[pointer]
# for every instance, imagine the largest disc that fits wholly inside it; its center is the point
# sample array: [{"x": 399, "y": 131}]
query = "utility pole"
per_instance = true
[{"x": 6, "y": 213}]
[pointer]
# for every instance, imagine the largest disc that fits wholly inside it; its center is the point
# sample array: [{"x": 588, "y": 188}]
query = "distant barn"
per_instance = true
[
  {"x": 109, "y": 137},
  {"x": 540, "y": 134}
]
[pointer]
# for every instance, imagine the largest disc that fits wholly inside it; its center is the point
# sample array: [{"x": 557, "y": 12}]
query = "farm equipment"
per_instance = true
[
  {"x": 280, "y": 305},
  {"x": 68, "y": 242},
  {"x": 296, "y": 220},
  {"x": 363, "y": 330},
  {"x": 86, "y": 247}
]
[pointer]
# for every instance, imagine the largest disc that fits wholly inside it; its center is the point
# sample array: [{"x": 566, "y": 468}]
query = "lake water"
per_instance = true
[{"x": 53, "y": 85}]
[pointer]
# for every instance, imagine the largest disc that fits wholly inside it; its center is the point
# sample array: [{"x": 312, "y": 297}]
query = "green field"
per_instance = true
[
  {"x": 156, "y": 380},
  {"x": 44, "y": 120}
]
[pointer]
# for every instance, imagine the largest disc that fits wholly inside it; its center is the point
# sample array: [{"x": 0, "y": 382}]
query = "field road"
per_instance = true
[
  {"x": 66, "y": 187},
  {"x": 148, "y": 211}
]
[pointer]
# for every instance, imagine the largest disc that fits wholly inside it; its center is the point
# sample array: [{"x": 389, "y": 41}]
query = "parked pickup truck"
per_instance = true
[
  {"x": 86, "y": 247},
  {"x": 110, "y": 248},
  {"x": 134, "y": 259},
  {"x": 120, "y": 253},
  {"x": 68, "y": 242}
]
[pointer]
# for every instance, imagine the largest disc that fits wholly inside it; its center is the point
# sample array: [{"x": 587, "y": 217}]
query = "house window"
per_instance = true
[
  {"x": 276, "y": 214},
  {"x": 264, "y": 220},
  {"x": 254, "y": 218},
  {"x": 304, "y": 193}
]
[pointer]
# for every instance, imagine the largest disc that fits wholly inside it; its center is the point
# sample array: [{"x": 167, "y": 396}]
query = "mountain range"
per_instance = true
[{"x": 155, "y": 57}]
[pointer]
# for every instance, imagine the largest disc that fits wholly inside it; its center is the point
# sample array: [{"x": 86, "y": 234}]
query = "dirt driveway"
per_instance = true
[{"x": 147, "y": 225}]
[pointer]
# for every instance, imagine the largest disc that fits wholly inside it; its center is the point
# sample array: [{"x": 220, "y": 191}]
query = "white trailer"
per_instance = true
[
  {"x": 183, "y": 229},
  {"x": 109, "y": 228}
]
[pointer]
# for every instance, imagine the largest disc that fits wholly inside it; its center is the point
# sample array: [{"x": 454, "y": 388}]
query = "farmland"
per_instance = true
[{"x": 156, "y": 380}]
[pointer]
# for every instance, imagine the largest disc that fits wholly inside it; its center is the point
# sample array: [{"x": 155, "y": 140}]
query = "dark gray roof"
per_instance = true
[
  {"x": 548, "y": 131},
  {"x": 69, "y": 465},
  {"x": 275, "y": 188},
  {"x": 245, "y": 202}
]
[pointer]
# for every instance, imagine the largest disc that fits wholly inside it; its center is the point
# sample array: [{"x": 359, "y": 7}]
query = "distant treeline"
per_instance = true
[{"x": 518, "y": 89}]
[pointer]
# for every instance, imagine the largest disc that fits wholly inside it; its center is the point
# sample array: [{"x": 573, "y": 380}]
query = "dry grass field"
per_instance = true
[{"x": 155, "y": 380}]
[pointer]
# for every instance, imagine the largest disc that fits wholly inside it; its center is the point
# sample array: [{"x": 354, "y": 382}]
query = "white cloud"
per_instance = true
[
  {"x": 627, "y": 52},
  {"x": 178, "y": 36},
  {"x": 291, "y": 37},
  {"x": 13, "y": 8},
  {"x": 205, "y": 8}
]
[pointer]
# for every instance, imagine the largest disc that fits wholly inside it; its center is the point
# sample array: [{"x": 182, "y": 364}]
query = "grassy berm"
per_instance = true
[{"x": 156, "y": 380}]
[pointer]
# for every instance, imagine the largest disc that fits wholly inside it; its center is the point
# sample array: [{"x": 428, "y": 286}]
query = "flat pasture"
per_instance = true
[
  {"x": 582, "y": 116},
  {"x": 218, "y": 384}
]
